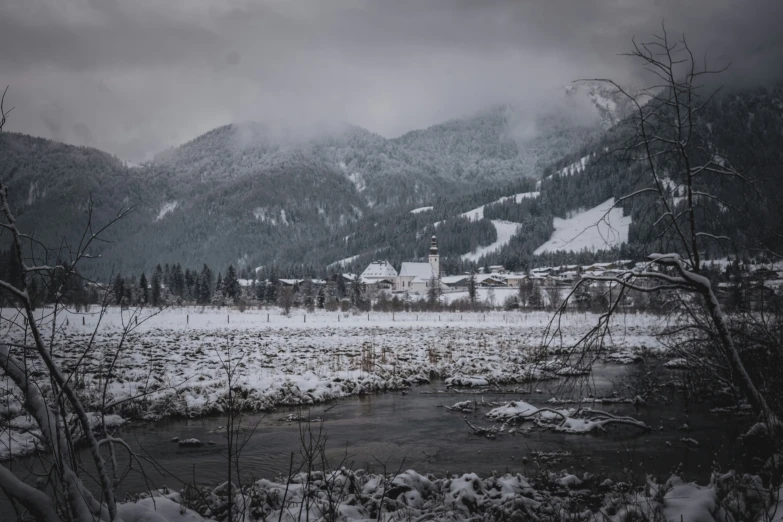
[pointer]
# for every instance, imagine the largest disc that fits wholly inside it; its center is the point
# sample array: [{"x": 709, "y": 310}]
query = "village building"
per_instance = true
[
  {"x": 380, "y": 274},
  {"x": 456, "y": 282},
  {"x": 494, "y": 280},
  {"x": 416, "y": 277},
  {"x": 514, "y": 280}
]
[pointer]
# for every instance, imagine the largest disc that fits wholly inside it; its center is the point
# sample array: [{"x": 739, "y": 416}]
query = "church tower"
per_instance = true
[{"x": 434, "y": 257}]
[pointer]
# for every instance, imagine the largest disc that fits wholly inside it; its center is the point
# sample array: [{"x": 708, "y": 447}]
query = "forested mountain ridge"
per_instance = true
[
  {"x": 746, "y": 126},
  {"x": 250, "y": 195}
]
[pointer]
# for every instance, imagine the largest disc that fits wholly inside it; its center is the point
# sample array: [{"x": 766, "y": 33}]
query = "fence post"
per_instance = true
[
  {"x": 305, "y": 317},
  {"x": 187, "y": 318},
  {"x": 228, "y": 319},
  {"x": 82, "y": 320},
  {"x": 267, "y": 318},
  {"x": 338, "y": 318}
]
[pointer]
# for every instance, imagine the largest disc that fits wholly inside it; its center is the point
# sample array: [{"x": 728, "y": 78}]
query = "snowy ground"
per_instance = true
[
  {"x": 173, "y": 363},
  {"x": 598, "y": 228},
  {"x": 407, "y": 495}
]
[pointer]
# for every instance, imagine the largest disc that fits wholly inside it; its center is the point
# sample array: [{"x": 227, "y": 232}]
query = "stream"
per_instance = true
[{"x": 414, "y": 430}]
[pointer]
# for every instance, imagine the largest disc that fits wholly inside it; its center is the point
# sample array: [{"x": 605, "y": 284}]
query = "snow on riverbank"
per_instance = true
[
  {"x": 355, "y": 496},
  {"x": 171, "y": 363}
]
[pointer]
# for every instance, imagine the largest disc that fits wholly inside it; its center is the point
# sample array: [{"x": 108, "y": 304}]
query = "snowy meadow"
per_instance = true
[
  {"x": 172, "y": 362},
  {"x": 481, "y": 368}
]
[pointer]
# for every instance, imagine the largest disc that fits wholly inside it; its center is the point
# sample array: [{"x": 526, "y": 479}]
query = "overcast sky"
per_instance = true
[{"x": 133, "y": 77}]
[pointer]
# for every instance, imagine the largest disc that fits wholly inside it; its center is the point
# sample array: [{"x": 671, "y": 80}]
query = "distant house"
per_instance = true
[
  {"x": 497, "y": 269},
  {"x": 513, "y": 280},
  {"x": 457, "y": 281},
  {"x": 290, "y": 282},
  {"x": 494, "y": 280},
  {"x": 380, "y": 274},
  {"x": 569, "y": 276}
]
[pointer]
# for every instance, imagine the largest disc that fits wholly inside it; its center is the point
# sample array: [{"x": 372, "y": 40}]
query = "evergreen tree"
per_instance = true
[
  {"x": 341, "y": 290},
  {"x": 433, "y": 292},
  {"x": 178, "y": 281},
  {"x": 219, "y": 283},
  {"x": 14, "y": 268},
  {"x": 118, "y": 289},
  {"x": 157, "y": 276},
  {"x": 308, "y": 299},
  {"x": 144, "y": 288},
  {"x": 230, "y": 284},
  {"x": 472, "y": 288},
  {"x": 205, "y": 285},
  {"x": 261, "y": 291},
  {"x": 535, "y": 301},
  {"x": 188, "y": 290},
  {"x": 525, "y": 291},
  {"x": 272, "y": 288},
  {"x": 35, "y": 295},
  {"x": 357, "y": 292},
  {"x": 321, "y": 297}
]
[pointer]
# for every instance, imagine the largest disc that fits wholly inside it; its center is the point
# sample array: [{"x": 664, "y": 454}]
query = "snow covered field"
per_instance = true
[{"x": 172, "y": 363}]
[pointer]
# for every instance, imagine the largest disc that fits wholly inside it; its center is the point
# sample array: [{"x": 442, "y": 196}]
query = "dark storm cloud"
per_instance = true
[{"x": 136, "y": 77}]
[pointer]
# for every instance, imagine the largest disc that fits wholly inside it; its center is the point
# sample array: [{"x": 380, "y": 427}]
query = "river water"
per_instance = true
[{"x": 415, "y": 431}]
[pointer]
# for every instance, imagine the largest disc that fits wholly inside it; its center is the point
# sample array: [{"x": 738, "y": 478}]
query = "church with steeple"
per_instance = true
[{"x": 417, "y": 277}]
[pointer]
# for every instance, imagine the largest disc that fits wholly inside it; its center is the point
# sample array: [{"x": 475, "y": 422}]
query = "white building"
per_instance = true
[
  {"x": 381, "y": 274},
  {"x": 416, "y": 277},
  {"x": 379, "y": 270}
]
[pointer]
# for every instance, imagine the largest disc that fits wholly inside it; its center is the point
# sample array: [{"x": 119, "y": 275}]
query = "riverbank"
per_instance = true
[
  {"x": 359, "y": 496},
  {"x": 174, "y": 363}
]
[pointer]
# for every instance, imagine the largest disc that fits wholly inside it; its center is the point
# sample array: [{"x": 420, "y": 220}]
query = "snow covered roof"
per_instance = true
[
  {"x": 422, "y": 270},
  {"x": 380, "y": 269},
  {"x": 291, "y": 282},
  {"x": 494, "y": 277},
  {"x": 542, "y": 270},
  {"x": 452, "y": 280}
]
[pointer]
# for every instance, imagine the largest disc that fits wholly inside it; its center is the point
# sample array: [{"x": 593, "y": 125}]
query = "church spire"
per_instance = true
[{"x": 434, "y": 246}]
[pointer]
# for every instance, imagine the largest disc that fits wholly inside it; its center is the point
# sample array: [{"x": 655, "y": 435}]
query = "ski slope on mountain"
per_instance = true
[
  {"x": 598, "y": 228},
  {"x": 505, "y": 230}
]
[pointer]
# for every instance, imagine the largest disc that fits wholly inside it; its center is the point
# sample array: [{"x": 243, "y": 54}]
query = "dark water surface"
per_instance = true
[{"x": 415, "y": 427}]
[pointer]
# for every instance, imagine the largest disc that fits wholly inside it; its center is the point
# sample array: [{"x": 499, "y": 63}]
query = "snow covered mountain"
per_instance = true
[{"x": 248, "y": 194}]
